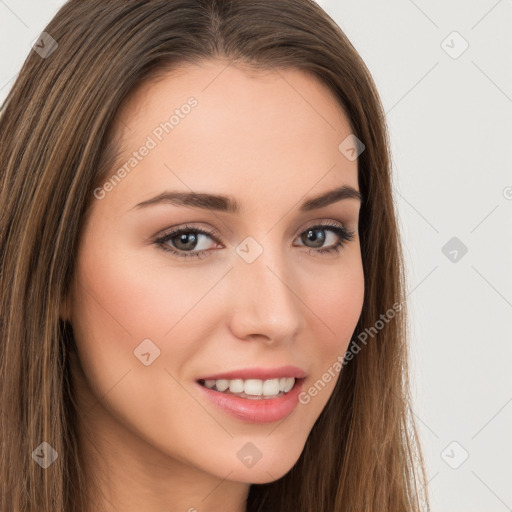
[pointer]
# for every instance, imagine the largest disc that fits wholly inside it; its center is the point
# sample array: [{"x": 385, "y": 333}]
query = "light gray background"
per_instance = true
[{"x": 451, "y": 125}]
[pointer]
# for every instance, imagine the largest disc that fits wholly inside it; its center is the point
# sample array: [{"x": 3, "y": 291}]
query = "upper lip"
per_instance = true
[{"x": 259, "y": 373}]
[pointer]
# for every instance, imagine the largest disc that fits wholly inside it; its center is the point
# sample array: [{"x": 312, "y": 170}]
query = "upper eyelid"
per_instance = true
[
  {"x": 216, "y": 236},
  {"x": 211, "y": 232},
  {"x": 215, "y": 232}
]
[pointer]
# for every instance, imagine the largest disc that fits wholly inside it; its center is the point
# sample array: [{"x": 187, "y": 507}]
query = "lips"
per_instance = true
[
  {"x": 258, "y": 373},
  {"x": 255, "y": 410}
]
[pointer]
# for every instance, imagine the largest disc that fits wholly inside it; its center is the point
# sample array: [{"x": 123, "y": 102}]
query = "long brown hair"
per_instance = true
[{"x": 56, "y": 128}]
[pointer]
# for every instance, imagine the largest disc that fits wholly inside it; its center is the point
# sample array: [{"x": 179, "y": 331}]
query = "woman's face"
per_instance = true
[{"x": 151, "y": 318}]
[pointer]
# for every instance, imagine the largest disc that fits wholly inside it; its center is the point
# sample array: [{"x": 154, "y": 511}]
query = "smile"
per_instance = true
[
  {"x": 251, "y": 388},
  {"x": 255, "y": 407}
]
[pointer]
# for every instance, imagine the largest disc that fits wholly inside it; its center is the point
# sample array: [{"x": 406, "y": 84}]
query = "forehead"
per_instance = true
[{"x": 280, "y": 128}]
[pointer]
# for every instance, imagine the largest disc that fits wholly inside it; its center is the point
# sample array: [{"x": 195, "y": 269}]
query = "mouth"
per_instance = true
[
  {"x": 254, "y": 400},
  {"x": 253, "y": 389}
]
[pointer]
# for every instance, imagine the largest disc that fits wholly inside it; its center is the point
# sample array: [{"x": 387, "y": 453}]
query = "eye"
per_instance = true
[
  {"x": 337, "y": 231},
  {"x": 189, "y": 241},
  {"x": 185, "y": 239}
]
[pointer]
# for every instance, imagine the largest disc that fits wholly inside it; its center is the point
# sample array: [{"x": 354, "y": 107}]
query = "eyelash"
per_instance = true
[{"x": 345, "y": 235}]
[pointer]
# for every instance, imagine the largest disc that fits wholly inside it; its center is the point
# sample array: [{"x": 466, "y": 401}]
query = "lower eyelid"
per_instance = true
[{"x": 343, "y": 234}]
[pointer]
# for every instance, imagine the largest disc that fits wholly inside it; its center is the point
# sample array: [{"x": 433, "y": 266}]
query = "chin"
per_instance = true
[
  {"x": 265, "y": 470},
  {"x": 261, "y": 473}
]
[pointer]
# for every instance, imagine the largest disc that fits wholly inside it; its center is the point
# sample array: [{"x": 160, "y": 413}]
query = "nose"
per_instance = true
[{"x": 264, "y": 303}]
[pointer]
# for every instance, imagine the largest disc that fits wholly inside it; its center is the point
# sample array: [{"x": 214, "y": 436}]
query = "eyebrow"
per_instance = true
[{"x": 230, "y": 205}]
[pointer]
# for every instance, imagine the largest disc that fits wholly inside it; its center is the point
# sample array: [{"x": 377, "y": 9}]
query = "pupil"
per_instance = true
[
  {"x": 183, "y": 239},
  {"x": 312, "y": 237}
]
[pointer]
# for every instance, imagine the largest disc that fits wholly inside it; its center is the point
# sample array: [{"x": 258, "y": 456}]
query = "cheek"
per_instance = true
[
  {"x": 337, "y": 303},
  {"x": 128, "y": 296},
  {"x": 117, "y": 305},
  {"x": 337, "y": 300},
  {"x": 121, "y": 301}
]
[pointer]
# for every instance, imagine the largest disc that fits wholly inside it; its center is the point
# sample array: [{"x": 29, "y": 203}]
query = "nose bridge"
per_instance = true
[{"x": 265, "y": 302}]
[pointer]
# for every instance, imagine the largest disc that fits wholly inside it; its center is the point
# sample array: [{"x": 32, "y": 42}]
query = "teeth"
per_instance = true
[
  {"x": 222, "y": 384},
  {"x": 286, "y": 384},
  {"x": 236, "y": 386},
  {"x": 271, "y": 387},
  {"x": 252, "y": 387}
]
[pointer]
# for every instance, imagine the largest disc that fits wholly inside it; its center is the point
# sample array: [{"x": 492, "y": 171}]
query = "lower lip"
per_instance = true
[{"x": 265, "y": 410}]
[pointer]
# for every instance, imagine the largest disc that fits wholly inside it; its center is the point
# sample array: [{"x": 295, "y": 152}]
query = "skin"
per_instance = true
[{"x": 270, "y": 139}]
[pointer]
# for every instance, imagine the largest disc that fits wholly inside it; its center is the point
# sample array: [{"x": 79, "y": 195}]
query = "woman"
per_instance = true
[{"x": 202, "y": 288}]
